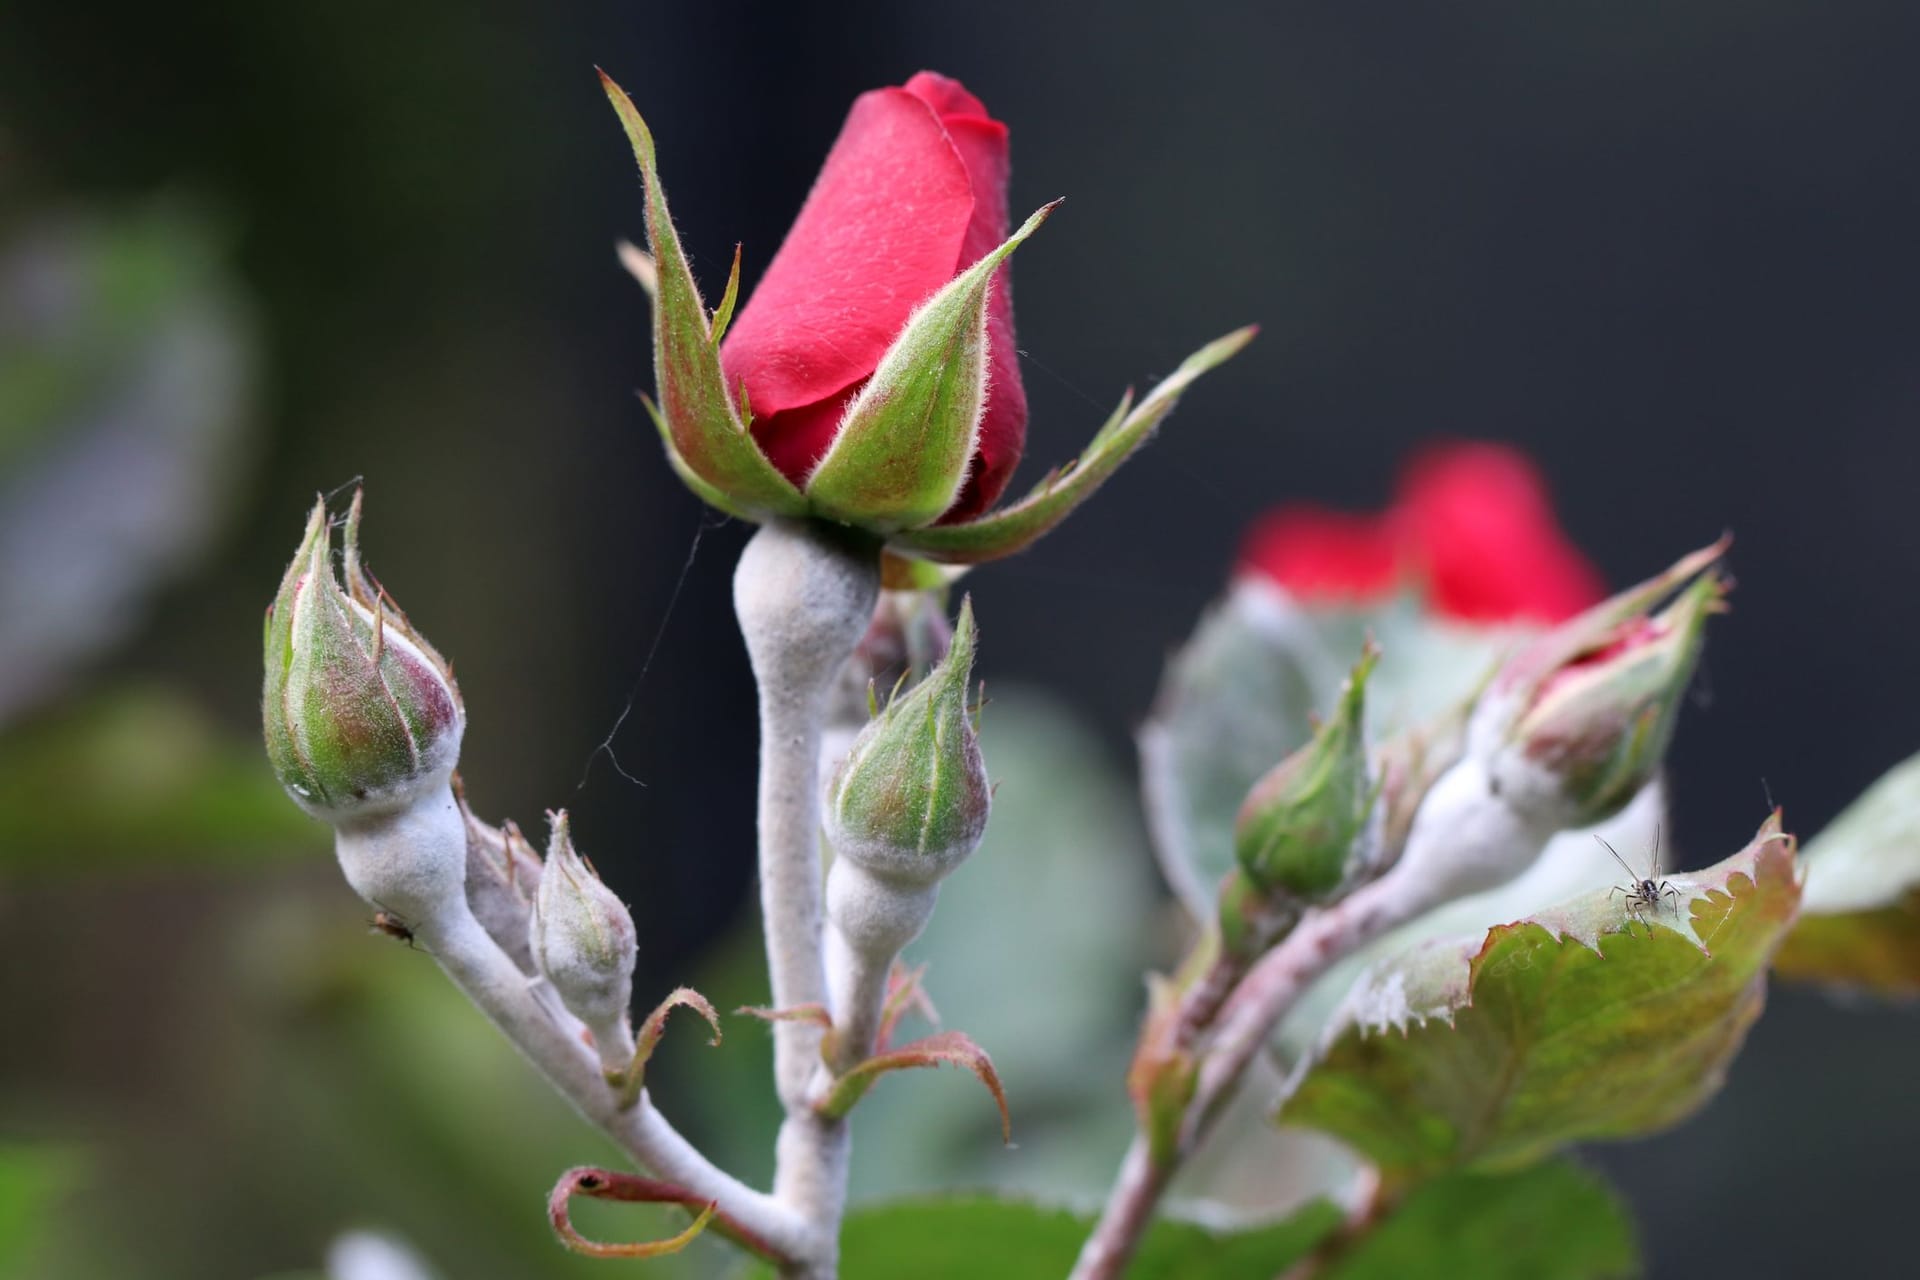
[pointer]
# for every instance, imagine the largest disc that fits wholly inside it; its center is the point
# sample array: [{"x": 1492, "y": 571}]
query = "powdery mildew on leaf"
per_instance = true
[{"x": 1584, "y": 1021}]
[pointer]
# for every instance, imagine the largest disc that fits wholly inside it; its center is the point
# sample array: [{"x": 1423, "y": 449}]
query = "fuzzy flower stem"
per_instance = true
[
  {"x": 1465, "y": 839},
  {"x": 1244, "y": 1022},
  {"x": 804, "y": 596},
  {"x": 870, "y": 921},
  {"x": 430, "y": 832}
]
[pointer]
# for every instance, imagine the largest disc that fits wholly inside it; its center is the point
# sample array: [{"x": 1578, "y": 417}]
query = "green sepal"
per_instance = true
[
  {"x": 708, "y": 439},
  {"x": 1015, "y": 528},
  {"x": 901, "y": 453}
]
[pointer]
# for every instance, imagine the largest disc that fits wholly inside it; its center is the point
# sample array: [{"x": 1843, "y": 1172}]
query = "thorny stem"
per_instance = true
[
  {"x": 553, "y": 1041},
  {"x": 804, "y": 597},
  {"x": 1241, "y": 1024}
]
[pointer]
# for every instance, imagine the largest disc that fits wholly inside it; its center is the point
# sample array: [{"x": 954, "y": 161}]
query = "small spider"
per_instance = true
[
  {"x": 1642, "y": 893},
  {"x": 393, "y": 926}
]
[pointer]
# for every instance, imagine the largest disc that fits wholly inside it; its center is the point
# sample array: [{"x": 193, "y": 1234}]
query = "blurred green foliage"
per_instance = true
[{"x": 139, "y": 778}]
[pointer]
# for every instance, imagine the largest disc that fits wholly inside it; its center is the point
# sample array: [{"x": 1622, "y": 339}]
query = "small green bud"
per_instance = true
[
  {"x": 361, "y": 714},
  {"x": 910, "y": 800},
  {"x": 503, "y": 874},
  {"x": 1586, "y": 715},
  {"x": 1300, "y": 830},
  {"x": 583, "y": 939}
]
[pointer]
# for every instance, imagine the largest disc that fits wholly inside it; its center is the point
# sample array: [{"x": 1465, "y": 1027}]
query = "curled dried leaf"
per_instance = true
[
  {"x": 609, "y": 1184},
  {"x": 953, "y": 1048}
]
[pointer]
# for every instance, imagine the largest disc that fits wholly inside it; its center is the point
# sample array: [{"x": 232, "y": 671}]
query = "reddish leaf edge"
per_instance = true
[
  {"x": 953, "y": 1048},
  {"x": 628, "y": 1188},
  {"x": 634, "y": 1079}
]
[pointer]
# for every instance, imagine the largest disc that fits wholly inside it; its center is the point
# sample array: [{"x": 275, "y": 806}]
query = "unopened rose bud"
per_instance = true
[
  {"x": 583, "y": 943},
  {"x": 1571, "y": 728},
  {"x": 1306, "y": 831},
  {"x": 360, "y": 714},
  {"x": 910, "y": 801},
  {"x": 872, "y": 378},
  {"x": 503, "y": 875},
  {"x": 1299, "y": 830},
  {"x": 1580, "y": 721}
]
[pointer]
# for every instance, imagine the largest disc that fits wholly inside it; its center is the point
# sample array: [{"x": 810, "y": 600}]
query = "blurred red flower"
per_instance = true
[
  {"x": 913, "y": 192},
  {"x": 1471, "y": 525}
]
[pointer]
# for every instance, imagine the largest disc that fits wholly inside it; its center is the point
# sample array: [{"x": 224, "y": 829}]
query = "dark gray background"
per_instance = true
[{"x": 1667, "y": 248}]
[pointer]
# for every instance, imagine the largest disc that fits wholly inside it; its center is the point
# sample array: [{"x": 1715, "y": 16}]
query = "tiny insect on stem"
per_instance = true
[{"x": 385, "y": 921}]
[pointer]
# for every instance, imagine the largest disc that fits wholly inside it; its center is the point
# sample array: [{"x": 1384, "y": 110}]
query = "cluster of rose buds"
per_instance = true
[
  {"x": 865, "y": 405},
  {"x": 363, "y": 724},
  {"x": 1568, "y": 730}
]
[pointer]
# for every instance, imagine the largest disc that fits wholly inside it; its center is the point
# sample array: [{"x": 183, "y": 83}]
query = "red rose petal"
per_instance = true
[
  {"x": 1483, "y": 535},
  {"x": 947, "y": 96},
  {"x": 1321, "y": 554},
  {"x": 881, "y": 230},
  {"x": 982, "y": 144}
]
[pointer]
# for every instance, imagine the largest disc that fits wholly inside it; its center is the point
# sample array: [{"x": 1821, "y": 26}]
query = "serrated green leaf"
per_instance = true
[
  {"x": 1016, "y": 527},
  {"x": 901, "y": 453},
  {"x": 709, "y": 441},
  {"x": 1860, "y": 923},
  {"x": 1586, "y": 1021},
  {"x": 1554, "y": 1221},
  {"x": 971, "y": 1237}
]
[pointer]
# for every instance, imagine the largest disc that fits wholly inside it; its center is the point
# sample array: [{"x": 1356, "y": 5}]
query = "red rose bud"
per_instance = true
[
  {"x": 583, "y": 943},
  {"x": 912, "y": 199},
  {"x": 361, "y": 714},
  {"x": 872, "y": 378},
  {"x": 1472, "y": 526},
  {"x": 1579, "y": 721},
  {"x": 1302, "y": 831},
  {"x": 910, "y": 801},
  {"x": 503, "y": 874}
]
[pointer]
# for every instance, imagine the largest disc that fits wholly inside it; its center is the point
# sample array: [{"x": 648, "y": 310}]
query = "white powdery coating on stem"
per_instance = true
[
  {"x": 549, "y": 1038},
  {"x": 803, "y": 600},
  {"x": 871, "y": 920},
  {"x": 583, "y": 942},
  {"x": 1469, "y": 836},
  {"x": 411, "y": 861},
  {"x": 803, "y": 603}
]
